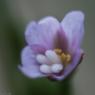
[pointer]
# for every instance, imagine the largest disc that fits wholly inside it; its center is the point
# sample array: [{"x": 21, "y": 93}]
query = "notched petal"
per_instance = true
[{"x": 43, "y": 32}]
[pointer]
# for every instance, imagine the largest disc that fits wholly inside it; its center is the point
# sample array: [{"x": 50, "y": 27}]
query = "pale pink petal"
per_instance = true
[
  {"x": 29, "y": 65},
  {"x": 44, "y": 32},
  {"x": 38, "y": 49},
  {"x": 28, "y": 56},
  {"x": 73, "y": 26},
  {"x": 31, "y": 71}
]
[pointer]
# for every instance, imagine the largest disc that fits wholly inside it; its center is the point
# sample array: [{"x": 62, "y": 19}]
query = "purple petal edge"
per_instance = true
[
  {"x": 29, "y": 66},
  {"x": 72, "y": 66}
]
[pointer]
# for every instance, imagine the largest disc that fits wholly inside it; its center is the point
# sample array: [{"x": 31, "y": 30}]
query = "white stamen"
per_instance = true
[
  {"x": 45, "y": 69},
  {"x": 42, "y": 59},
  {"x": 56, "y": 68},
  {"x": 52, "y": 56}
]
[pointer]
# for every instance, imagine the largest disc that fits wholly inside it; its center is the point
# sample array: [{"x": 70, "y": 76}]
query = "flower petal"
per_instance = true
[
  {"x": 28, "y": 56},
  {"x": 29, "y": 65},
  {"x": 62, "y": 41},
  {"x": 31, "y": 71},
  {"x": 68, "y": 70},
  {"x": 73, "y": 26},
  {"x": 38, "y": 49},
  {"x": 44, "y": 32}
]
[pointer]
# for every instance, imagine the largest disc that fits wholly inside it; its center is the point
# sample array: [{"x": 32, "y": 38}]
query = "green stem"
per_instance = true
[{"x": 66, "y": 87}]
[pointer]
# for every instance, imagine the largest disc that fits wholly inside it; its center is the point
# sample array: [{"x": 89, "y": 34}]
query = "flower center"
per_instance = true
[
  {"x": 65, "y": 58},
  {"x": 54, "y": 61}
]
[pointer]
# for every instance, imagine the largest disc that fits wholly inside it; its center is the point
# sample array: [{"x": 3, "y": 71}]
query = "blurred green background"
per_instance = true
[{"x": 14, "y": 16}]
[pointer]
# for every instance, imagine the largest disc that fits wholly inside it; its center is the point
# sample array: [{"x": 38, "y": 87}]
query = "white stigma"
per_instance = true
[
  {"x": 56, "y": 68},
  {"x": 50, "y": 62},
  {"x": 42, "y": 59},
  {"x": 52, "y": 56},
  {"x": 44, "y": 68}
]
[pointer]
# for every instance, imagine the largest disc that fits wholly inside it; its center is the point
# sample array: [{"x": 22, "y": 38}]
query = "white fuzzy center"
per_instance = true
[
  {"x": 45, "y": 69},
  {"x": 50, "y": 62},
  {"x": 56, "y": 68}
]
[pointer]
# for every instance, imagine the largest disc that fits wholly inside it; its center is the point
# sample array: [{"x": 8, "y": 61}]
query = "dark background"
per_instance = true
[{"x": 14, "y": 16}]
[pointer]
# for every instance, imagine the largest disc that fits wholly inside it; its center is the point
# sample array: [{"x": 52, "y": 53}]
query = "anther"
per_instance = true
[
  {"x": 63, "y": 57},
  {"x": 68, "y": 58},
  {"x": 58, "y": 51}
]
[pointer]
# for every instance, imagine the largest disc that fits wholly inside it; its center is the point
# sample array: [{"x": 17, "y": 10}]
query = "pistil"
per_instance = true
[{"x": 54, "y": 61}]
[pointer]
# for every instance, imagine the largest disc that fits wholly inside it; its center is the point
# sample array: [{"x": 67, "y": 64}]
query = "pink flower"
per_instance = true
[{"x": 53, "y": 49}]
